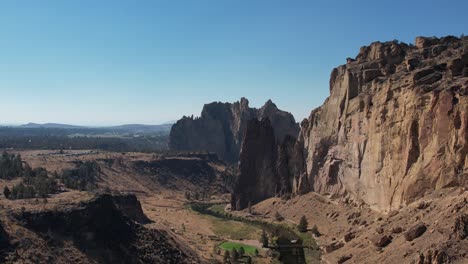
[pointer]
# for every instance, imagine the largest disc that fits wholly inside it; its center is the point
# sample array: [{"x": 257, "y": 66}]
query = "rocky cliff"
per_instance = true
[
  {"x": 221, "y": 126},
  {"x": 394, "y": 127},
  {"x": 105, "y": 229}
]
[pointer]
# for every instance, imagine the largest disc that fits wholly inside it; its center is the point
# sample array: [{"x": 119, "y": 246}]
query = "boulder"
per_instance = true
[
  {"x": 344, "y": 258},
  {"x": 333, "y": 246},
  {"x": 381, "y": 240},
  {"x": 349, "y": 236},
  {"x": 415, "y": 232}
]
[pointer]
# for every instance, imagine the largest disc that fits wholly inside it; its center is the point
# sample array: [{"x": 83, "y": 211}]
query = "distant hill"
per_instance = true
[
  {"x": 127, "y": 128},
  {"x": 50, "y": 125}
]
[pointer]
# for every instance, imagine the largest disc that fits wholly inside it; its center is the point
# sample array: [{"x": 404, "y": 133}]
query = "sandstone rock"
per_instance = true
[
  {"x": 415, "y": 232},
  {"x": 381, "y": 240},
  {"x": 370, "y": 75},
  {"x": 221, "y": 126}
]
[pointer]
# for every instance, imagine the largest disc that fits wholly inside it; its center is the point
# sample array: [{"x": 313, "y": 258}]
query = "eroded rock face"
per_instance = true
[
  {"x": 258, "y": 179},
  {"x": 221, "y": 127},
  {"x": 106, "y": 229},
  {"x": 394, "y": 126}
]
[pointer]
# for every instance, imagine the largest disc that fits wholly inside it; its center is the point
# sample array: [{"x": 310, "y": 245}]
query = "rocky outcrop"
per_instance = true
[
  {"x": 220, "y": 128},
  {"x": 394, "y": 126},
  {"x": 105, "y": 229},
  {"x": 258, "y": 178}
]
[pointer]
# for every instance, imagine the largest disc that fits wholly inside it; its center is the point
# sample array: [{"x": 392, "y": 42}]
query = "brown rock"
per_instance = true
[
  {"x": 344, "y": 258},
  {"x": 333, "y": 246},
  {"x": 411, "y": 63},
  {"x": 460, "y": 228},
  {"x": 349, "y": 236},
  {"x": 415, "y": 232},
  {"x": 434, "y": 257},
  {"x": 424, "y": 42},
  {"x": 379, "y": 230},
  {"x": 455, "y": 66},
  {"x": 381, "y": 240},
  {"x": 397, "y": 230}
]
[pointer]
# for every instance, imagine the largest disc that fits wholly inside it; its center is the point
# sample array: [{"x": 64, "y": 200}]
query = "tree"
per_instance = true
[
  {"x": 6, "y": 192},
  {"x": 264, "y": 239},
  {"x": 303, "y": 224},
  {"x": 241, "y": 251},
  {"x": 256, "y": 252},
  {"x": 234, "y": 255},
  {"x": 250, "y": 207},
  {"x": 188, "y": 196},
  {"x": 278, "y": 216},
  {"x": 226, "y": 257},
  {"x": 315, "y": 230}
]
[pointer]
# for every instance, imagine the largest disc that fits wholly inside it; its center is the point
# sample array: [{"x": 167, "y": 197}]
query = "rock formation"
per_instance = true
[
  {"x": 105, "y": 229},
  {"x": 394, "y": 127},
  {"x": 220, "y": 128}
]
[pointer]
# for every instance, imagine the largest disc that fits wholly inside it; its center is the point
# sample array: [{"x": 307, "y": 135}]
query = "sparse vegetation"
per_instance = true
[
  {"x": 83, "y": 177},
  {"x": 278, "y": 217}
]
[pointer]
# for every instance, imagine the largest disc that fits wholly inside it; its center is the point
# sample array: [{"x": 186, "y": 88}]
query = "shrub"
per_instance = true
[
  {"x": 6, "y": 192},
  {"x": 278, "y": 216},
  {"x": 303, "y": 224}
]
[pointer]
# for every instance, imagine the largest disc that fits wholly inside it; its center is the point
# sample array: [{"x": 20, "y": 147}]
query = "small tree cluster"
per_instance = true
[
  {"x": 83, "y": 177},
  {"x": 10, "y": 166}
]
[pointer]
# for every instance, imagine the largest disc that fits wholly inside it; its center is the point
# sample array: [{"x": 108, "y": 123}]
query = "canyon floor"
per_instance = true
[{"x": 348, "y": 234}]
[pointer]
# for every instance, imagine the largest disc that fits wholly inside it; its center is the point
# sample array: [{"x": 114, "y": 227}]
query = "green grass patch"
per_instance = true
[
  {"x": 234, "y": 230},
  {"x": 233, "y": 245},
  {"x": 218, "y": 208}
]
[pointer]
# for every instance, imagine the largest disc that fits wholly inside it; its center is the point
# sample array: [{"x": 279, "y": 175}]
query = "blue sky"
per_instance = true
[{"x": 113, "y": 62}]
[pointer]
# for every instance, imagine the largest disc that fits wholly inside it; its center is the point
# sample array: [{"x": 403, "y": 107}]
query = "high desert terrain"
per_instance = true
[{"x": 377, "y": 174}]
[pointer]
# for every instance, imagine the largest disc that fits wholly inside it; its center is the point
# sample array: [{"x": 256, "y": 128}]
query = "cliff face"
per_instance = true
[
  {"x": 221, "y": 126},
  {"x": 394, "y": 126}
]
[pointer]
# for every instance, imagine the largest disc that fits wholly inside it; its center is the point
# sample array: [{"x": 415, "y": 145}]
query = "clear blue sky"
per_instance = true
[{"x": 112, "y": 62}]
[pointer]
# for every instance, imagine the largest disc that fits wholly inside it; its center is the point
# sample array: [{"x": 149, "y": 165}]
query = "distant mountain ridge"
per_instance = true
[{"x": 125, "y": 127}]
